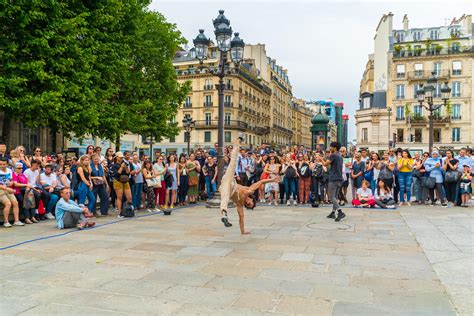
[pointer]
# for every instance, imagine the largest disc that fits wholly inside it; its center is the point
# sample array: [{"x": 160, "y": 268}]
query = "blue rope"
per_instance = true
[{"x": 97, "y": 226}]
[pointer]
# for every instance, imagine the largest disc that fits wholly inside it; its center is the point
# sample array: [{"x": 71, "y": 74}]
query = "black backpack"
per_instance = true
[
  {"x": 318, "y": 171},
  {"x": 74, "y": 181},
  {"x": 168, "y": 179},
  {"x": 127, "y": 210}
]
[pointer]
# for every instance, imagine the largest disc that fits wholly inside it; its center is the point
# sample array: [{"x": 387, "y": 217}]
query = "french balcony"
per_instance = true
[
  {"x": 208, "y": 87},
  {"x": 433, "y": 50},
  {"x": 423, "y": 75},
  {"x": 228, "y": 104},
  {"x": 207, "y": 104},
  {"x": 420, "y": 120},
  {"x": 228, "y": 124}
]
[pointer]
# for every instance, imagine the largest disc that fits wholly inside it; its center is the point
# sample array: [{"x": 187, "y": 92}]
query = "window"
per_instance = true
[
  {"x": 456, "y": 112},
  {"x": 455, "y": 32},
  {"x": 437, "y": 135},
  {"x": 418, "y": 70},
  {"x": 418, "y": 111},
  {"x": 227, "y": 119},
  {"x": 416, "y": 87},
  {"x": 188, "y": 103},
  {"x": 434, "y": 34},
  {"x": 186, "y": 137},
  {"x": 437, "y": 91},
  {"x": 456, "y": 134},
  {"x": 400, "y": 37},
  {"x": 456, "y": 90},
  {"x": 400, "y": 138},
  {"x": 400, "y": 71},
  {"x": 456, "y": 68},
  {"x": 228, "y": 100},
  {"x": 365, "y": 135},
  {"x": 208, "y": 84},
  {"x": 418, "y": 135},
  {"x": 455, "y": 48},
  {"x": 400, "y": 91},
  {"x": 438, "y": 113},
  {"x": 172, "y": 139},
  {"x": 437, "y": 67},
  {"x": 400, "y": 113},
  {"x": 416, "y": 35},
  {"x": 366, "y": 103},
  {"x": 187, "y": 116},
  {"x": 228, "y": 85},
  {"x": 208, "y": 118},
  {"x": 417, "y": 50},
  {"x": 208, "y": 100},
  {"x": 227, "y": 137},
  {"x": 207, "y": 136}
]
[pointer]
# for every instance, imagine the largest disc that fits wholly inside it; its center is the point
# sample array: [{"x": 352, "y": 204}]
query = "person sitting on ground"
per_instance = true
[
  {"x": 7, "y": 197},
  {"x": 383, "y": 196},
  {"x": 364, "y": 195},
  {"x": 69, "y": 214}
]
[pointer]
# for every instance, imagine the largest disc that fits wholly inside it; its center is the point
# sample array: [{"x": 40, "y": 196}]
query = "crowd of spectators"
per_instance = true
[{"x": 72, "y": 190}]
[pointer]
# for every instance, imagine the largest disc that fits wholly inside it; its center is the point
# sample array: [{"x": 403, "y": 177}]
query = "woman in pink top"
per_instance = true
[{"x": 21, "y": 185}]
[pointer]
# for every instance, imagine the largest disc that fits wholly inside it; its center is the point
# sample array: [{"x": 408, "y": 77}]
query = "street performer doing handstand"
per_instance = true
[{"x": 240, "y": 195}]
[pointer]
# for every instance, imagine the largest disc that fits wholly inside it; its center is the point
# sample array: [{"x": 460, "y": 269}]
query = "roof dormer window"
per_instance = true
[
  {"x": 434, "y": 34},
  {"x": 400, "y": 37},
  {"x": 416, "y": 36}
]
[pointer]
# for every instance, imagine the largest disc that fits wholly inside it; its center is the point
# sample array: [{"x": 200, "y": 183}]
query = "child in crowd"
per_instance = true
[
  {"x": 364, "y": 195},
  {"x": 383, "y": 196},
  {"x": 465, "y": 185}
]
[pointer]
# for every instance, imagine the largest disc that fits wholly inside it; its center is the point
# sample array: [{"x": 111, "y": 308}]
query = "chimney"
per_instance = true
[{"x": 405, "y": 22}]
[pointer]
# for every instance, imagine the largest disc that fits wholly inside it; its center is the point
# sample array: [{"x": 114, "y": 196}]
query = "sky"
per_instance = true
[{"x": 323, "y": 44}]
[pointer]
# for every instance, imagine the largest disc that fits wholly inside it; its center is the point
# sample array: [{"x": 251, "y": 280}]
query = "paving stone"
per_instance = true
[
  {"x": 63, "y": 309},
  {"x": 134, "y": 287},
  {"x": 199, "y": 295},
  {"x": 342, "y": 293},
  {"x": 205, "y": 251},
  {"x": 255, "y": 254},
  {"x": 15, "y": 305},
  {"x": 138, "y": 305},
  {"x": 184, "y": 278},
  {"x": 304, "y": 306},
  {"x": 221, "y": 270},
  {"x": 296, "y": 288},
  {"x": 257, "y": 300},
  {"x": 297, "y": 256},
  {"x": 243, "y": 283},
  {"x": 330, "y": 259}
]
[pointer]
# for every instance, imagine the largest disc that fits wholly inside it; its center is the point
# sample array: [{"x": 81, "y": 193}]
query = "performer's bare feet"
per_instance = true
[{"x": 246, "y": 233}]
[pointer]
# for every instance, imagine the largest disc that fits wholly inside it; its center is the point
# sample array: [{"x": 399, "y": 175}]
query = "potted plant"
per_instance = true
[
  {"x": 397, "y": 49},
  {"x": 407, "y": 110},
  {"x": 408, "y": 49},
  {"x": 449, "y": 109},
  {"x": 417, "y": 51},
  {"x": 438, "y": 48}
]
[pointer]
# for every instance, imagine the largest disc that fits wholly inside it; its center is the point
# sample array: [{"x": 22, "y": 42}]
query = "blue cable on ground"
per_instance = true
[{"x": 97, "y": 226}]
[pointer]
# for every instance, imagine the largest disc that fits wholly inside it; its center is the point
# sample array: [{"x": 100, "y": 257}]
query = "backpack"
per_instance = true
[
  {"x": 74, "y": 180},
  {"x": 168, "y": 179},
  {"x": 318, "y": 171},
  {"x": 290, "y": 172},
  {"x": 127, "y": 210}
]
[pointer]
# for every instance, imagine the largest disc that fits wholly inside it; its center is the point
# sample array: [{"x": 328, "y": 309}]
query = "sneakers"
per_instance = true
[
  {"x": 18, "y": 223},
  {"x": 226, "y": 222},
  {"x": 276, "y": 203},
  {"x": 270, "y": 204},
  {"x": 7, "y": 225},
  {"x": 295, "y": 202},
  {"x": 49, "y": 216},
  {"x": 332, "y": 215},
  {"x": 340, "y": 216},
  {"x": 391, "y": 206},
  {"x": 288, "y": 203}
]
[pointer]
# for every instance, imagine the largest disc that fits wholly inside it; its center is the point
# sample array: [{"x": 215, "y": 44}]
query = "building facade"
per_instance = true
[
  {"x": 403, "y": 60},
  {"x": 301, "y": 123},
  {"x": 446, "y": 52}
]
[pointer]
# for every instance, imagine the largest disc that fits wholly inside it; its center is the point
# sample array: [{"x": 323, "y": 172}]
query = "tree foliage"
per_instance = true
[{"x": 89, "y": 67}]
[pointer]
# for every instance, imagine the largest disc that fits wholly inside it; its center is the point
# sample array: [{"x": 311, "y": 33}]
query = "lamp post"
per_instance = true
[
  {"x": 188, "y": 124},
  {"x": 426, "y": 93},
  {"x": 225, "y": 44},
  {"x": 389, "y": 110}
]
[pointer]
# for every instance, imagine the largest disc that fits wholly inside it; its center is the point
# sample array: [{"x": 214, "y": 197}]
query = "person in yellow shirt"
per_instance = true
[{"x": 405, "y": 176}]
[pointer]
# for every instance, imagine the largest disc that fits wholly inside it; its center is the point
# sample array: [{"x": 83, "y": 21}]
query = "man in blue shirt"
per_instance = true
[
  {"x": 69, "y": 214},
  {"x": 464, "y": 160}
]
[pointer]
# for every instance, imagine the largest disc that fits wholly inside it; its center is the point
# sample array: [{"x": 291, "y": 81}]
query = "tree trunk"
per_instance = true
[
  {"x": 53, "y": 140},
  {"x": 117, "y": 143},
  {"x": 6, "y": 129}
]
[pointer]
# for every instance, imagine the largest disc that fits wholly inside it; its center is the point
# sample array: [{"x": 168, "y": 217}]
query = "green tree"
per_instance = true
[{"x": 89, "y": 67}]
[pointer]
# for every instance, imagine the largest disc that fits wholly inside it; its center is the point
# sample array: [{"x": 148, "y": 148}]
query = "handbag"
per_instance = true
[
  {"x": 451, "y": 176},
  {"x": 193, "y": 181},
  {"x": 369, "y": 175},
  {"x": 29, "y": 199},
  {"x": 97, "y": 181},
  {"x": 124, "y": 178},
  {"x": 417, "y": 173},
  {"x": 127, "y": 210},
  {"x": 264, "y": 176},
  {"x": 429, "y": 182},
  {"x": 153, "y": 183},
  {"x": 168, "y": 179}
]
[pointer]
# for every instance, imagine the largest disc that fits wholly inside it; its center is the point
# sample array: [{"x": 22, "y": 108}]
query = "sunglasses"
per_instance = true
[{"x": 37, "y": 151}]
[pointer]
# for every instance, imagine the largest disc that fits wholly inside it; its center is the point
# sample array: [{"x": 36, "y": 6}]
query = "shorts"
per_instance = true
[
  {"x": 120, "y": 185},
  {"x": 5, "y": 197}
]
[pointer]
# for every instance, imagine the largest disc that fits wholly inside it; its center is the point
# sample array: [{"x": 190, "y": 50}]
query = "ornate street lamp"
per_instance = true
[
  {"x": 426, "y": 93},
  {"x": 225, "y": 44},
  {"x": 188, "y": 124}
]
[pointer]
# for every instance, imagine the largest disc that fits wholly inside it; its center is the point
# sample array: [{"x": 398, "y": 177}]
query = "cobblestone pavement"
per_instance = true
[{"x": 412, "y": 261}]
